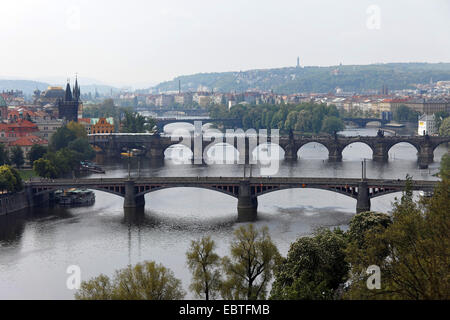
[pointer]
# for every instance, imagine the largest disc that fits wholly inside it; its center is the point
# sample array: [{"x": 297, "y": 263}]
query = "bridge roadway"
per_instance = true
[
  {"x": 246, "y": 190},
  {"x": 155, "y": 145}
]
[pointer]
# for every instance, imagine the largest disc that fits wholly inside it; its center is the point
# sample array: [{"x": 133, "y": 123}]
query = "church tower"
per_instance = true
[{"x": 68, "y": 108}]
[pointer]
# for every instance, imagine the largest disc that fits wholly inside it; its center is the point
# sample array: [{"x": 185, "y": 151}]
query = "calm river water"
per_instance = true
[{"x": 37, "y": 246}]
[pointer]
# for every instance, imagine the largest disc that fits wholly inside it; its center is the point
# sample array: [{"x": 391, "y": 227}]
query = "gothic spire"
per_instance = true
[{"x": 68, "y": 96}]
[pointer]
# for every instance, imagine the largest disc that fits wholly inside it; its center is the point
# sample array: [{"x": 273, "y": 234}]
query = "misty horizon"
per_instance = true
[{"x": 145, "y": 43}]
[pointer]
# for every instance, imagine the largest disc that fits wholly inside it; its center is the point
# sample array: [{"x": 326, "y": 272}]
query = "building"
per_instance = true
[
  {"x": 47, "y": 127},
  {"x": 68, "y": 107},
  {"x": 26, "y": 142},
  {"x": 51, "y": 95},
  {"x": 3, "y": 109},
  {"x": 164, "y": 100},
  {"x": 13, "y": 131},
  {"x": 204, "y": 101},
  {"x": 427, "y": 125},
  {"x": 429, "y": 106},
  {"x": 102, "y": 125}
]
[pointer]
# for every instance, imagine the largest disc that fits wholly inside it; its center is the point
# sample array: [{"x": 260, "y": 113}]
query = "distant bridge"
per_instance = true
[
  {"x": 362, "y": 122},
  {"x": 162, "y": 122},
  {"x": 246, "y": 190},
  {"x": 155, "y": 145}
]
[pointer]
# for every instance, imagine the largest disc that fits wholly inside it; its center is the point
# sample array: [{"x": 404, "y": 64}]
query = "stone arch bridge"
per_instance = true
[
  {"x": 155, "y": 145},
  {"x": 246, "y": 190}
]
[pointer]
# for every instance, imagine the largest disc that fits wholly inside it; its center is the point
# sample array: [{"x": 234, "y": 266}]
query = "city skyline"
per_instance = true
[{"x": 153, "y": 42}]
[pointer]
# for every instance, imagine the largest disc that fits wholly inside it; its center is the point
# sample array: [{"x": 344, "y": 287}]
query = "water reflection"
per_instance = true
[{"x": 36, "y": 247}]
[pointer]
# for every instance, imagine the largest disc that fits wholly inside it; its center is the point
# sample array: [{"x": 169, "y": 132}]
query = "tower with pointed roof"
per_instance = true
[{"x": 68, "y": 108}]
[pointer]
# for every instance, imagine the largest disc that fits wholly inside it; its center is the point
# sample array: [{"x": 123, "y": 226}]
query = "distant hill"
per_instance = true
[
  {"x": 26, "y": 86},
  {"x": 358, "y": 78}
]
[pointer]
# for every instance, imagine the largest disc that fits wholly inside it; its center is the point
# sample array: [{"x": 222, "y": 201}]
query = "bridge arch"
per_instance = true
[
  {"x": 178, "y": 152},
  {"x": 262, "y": 151},
  {"x": 318, "y": 150},
  {"x": 175, "y": 125},
  {"x": 232, "y": 191},
  {"x": 367, "y": 151},
  {"x": 349, "y": 191},
  {"x": 402, "y": 150},
  {"x": 439, "y": 151},
  {"x": 221, "y": 153}
]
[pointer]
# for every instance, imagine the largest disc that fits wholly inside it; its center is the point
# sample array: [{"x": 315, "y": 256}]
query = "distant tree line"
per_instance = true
[
  {"x": 125, "y": 119},
  {"x": 411, "y": 248},
  {"x": 302, "y": 118}
]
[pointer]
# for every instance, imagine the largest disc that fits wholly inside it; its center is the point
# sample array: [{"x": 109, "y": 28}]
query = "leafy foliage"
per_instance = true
[
  {"x": 403, "y": 113},
  {"x": 248, "y": 270},
  {"x": 67, "y": 147},
  {"x": 305, "y": 117},
  {"x": 134, "y": 122},
  {"x": 17, "y": 157},
  {"x": 144, "y": 281},
  {"x": 444, "y": 129},
  {"x": 10, "y": 179},
  {"x": 36, "y": 152},
  {"x": 4, "y": 154},
  {"x": 417, "y": 245},
  {"x": 204, "y": 264},
  {"x": 314, "y": 267}
]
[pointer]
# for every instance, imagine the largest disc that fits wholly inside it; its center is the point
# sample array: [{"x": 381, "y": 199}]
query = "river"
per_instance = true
[{"x": 37, "y": 246}]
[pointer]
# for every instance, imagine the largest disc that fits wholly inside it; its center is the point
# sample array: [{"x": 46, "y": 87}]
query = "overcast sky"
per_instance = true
[{"x": 142, "y": 42}]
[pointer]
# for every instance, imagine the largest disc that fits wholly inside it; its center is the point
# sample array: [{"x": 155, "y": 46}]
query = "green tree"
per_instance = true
[
  {"x": 204, "y": 264},
  {"x": 332, "y": 124},
  {"x": 4, "y": 154},
  {"x": 249, "y": 268},
  {"x": 418, "y": 256},
  {"x": 45, "y": 168},
  {"x": 10, "y": 179},
  {"x": 61, "y": 138},
  {"x": 17, "y": 157},
  {"x": 144, "y": 281},
  {"x": 364, "y": 228},
  {"x": 133, "y": 122},
  {"x": 78, "y": 129},
  {"x": 36, "y": 152},
  {"x": 403, "y": 113},
  {"x": 82, "y": 149},
  {"x": 445, "y": 166},
  {"x": 315, "y": 267},
  {"x": 444, "y": 129}
]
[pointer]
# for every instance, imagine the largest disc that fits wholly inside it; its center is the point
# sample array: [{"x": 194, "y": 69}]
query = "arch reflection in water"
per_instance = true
[
  {"x": 357, "y": 151},
  {"x": 402, "y": 151},
  {"x": 313, "y": 150}
]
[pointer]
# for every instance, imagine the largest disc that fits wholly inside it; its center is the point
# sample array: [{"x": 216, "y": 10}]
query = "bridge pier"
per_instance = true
[
  {"x": 155, "y": 152},
  {"x": 290, "y": 153},
  {"x": 247, "y": 203},
  {"x": 363, "y": 199},
  {"x": 334, "y": 154},
  {"x": 380, "y": 152},
  {"x": 425, "y": 156},
  {"x": 131, "y": 200}
]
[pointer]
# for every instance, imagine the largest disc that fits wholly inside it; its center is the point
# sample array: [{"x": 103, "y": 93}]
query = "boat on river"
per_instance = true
[{"x": 75, "y": 197}]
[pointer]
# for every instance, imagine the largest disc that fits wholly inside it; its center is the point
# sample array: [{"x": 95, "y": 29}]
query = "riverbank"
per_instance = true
[{"x": 13, "y": 202}]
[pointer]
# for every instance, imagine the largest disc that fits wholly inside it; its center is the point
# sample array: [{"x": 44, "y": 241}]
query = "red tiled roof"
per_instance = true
[{"x": 28, "y": 141}]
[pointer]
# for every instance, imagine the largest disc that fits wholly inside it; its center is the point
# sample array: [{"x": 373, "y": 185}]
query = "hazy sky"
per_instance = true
[{"x": 140, "y": 42}]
